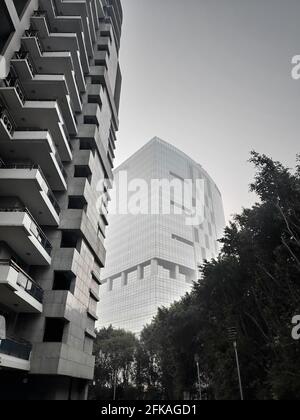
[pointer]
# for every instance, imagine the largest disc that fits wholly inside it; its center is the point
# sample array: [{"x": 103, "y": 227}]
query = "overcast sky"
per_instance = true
[{"x": 212, "y": 77}]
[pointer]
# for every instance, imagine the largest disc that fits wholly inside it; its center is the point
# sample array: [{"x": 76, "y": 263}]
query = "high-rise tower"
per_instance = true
[
  {"x": 153, "y": 259},
  {"x": 60, "y": 85}
]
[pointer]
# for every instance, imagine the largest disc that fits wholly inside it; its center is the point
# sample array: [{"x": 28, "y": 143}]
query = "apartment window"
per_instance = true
[
  {"x": 196, "y": 234},
  {"x": 6, "y": 26},
  {"x": 96, "y": 80},
  {"x": 77, "y": 203},
  {"x": 69, "y": 240},
  {"x": 86, "y": 145},
  {"x": 104, "y": 47},
  {"x": 101, "y": 63},
  {"x": 95, "y": 99},
  {"x": 82, "y": 171},
  {"x": 64, "y": 280},
  {"x": 91, "y": 119},
  {"x": 106, "y": 33},
  {"x": 54, "y": 330}
]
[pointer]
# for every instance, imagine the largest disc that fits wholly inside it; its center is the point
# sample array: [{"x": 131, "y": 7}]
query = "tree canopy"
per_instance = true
[{"x": 254, "y": 287}]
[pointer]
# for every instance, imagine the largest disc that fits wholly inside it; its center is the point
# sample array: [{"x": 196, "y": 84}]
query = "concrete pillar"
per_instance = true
[
  {"x": 139, "y": 272},
  {"x": 177, "y": 273},
  {"x": 109, "y": 285},
  {"x": 124, "y": 279},
  {"x": 154, "y": 267}
]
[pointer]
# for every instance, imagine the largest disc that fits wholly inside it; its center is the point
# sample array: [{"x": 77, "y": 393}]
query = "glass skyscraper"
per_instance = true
[{"x": 152, "y": 259}]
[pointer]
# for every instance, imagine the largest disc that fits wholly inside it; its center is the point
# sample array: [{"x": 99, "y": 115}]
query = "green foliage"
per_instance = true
[
  {"x": 254, "y": 286},
  {"x": 115, "y": 355}
]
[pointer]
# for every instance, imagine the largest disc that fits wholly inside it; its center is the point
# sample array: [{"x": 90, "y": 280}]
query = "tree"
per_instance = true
[
  {"x": 114, "y": 351},
  {"x": 253, "y": 286}
]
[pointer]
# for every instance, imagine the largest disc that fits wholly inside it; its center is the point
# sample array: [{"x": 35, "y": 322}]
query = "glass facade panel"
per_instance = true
[{"x": 159, "y": 253}]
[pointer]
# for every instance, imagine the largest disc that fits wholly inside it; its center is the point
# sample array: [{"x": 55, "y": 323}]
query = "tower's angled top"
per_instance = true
[{"x": 158, "y": 141}]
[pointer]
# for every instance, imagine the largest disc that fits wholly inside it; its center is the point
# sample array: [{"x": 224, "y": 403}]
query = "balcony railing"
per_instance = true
[
  {"x": 24, "y": 55},
  {"x": 7, "y": 120},
  {"x": 30, "y": 33},
  {"x": 39, "y": 13},
  {"x": 60, "y": 164},
  {"x": 13, "y": 81},
  {"x": 16, "y": 348},
  {"x": 35, "y": 229},
  {"x": 30, "y": 167},
  {"x": 25, "y": 281}
]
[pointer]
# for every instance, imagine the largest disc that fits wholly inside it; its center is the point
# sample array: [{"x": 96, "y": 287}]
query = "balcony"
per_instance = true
[
  {"x": 27, "y": 182},
  {"x": 24, "y": 236},
  {"x": 15, "y": 354},
  {"x": 11, "y": 31},
  {"x": 106, "y": 30},
  {"x": 81, "y": 10},
  {"x": 77, "y": 222},
  {"x": 100, "y": 76},
  {"x": 80, "y": 364},
  {"x": 38, "y": 87},
  {"x": 90, "y": 133},
  {"x": 53, "y": 63},
  {"x": 59, "y": 304},
  {"x": 96, "y": 94},
  {"x": 102, "y": 59},
  {"x": 92, "y": 309},
  {"x": 100, "y": 9},
  {"x": 59, "y": 42},
  {"x": 104, "y": 44},
  {"x": 110, "y": 158},
  {"x": 94, "y": 292},
  {"x": 37, "y": 115},
  {"x": 65, "y": 24},
  {"x": 85, "y": 158},
  {"x": 36, "y": 147},
  {"x": 114, "y": 16},
  {"x": 17, "y": 289}
]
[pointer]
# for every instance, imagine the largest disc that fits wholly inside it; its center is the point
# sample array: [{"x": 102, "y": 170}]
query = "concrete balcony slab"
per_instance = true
[
  {"x": 60, "y": 42},
  {"x": 15, "y": 354},
  {"x": 23, "y": 235},
  {"x": 47, "y": 88},
  {"x": 28, "y": 183},
  {"x": 38, "y": 115},
  {"x": 53, "y": 63},
  {"x": 36, "y": 147},
  {"x": 18, "y": 291},
  {"x": 67, "y": 24}
]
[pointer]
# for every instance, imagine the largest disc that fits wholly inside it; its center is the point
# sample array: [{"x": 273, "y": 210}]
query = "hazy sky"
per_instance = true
[{"x": 213, "y": 77}]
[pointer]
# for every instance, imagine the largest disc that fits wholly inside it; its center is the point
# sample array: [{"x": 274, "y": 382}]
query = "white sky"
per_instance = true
[{"x": 213, "y": 77}]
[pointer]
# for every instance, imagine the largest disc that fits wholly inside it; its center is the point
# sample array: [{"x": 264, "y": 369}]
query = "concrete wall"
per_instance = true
[{"x": 61, "y": 370}]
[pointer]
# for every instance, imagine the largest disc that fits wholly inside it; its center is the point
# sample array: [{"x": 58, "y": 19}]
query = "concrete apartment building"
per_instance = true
[
  {"x": 60, "y": 85},
  {"x": 157, "y": 260}
]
